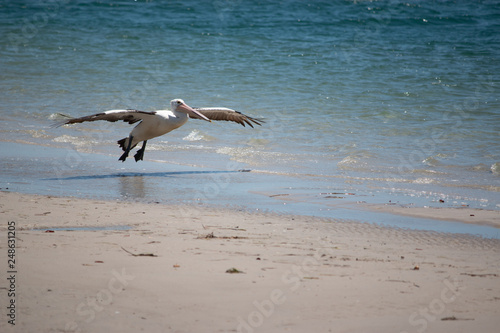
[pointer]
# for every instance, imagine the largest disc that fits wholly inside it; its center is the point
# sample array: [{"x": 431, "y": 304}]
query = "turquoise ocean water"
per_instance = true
[{"x": 377, "y": 102}]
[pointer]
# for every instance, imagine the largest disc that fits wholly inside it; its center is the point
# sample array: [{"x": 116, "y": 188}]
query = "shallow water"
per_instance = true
[
  {"x": 175, "y": 185},
  {"x": 387, "y": 100}
]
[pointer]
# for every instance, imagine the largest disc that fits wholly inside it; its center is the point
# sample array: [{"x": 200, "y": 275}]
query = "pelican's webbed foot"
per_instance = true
[
  {"x": 123, "y": 157},
  {"x": 140, "y": 153},
  {"x": 125, "y": 154}
]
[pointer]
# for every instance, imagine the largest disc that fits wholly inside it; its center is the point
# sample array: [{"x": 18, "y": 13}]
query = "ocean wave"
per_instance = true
[
  {"x": 495, "y": 168},
  {"x": 347, "y": 162},
  {"x": 256, "y": 157},
  {"x": 80, "y": 143},
  {"x": 196, "y": 135}
]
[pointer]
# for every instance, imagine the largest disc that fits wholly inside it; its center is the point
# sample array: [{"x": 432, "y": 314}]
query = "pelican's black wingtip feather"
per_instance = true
[{"x": 59, "y": 120}]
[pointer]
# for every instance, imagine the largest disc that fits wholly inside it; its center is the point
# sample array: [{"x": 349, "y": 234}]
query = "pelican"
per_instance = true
[{"x": 157, "y": 123}]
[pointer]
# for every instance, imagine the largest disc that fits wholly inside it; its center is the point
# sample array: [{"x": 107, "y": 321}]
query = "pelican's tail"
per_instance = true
[{"x": 123, "y": 143}]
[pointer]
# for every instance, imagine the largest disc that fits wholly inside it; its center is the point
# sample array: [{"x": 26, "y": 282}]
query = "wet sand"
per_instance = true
[
  {"x": 460, "y": 214},
  {"x": 95, "y": 266}
]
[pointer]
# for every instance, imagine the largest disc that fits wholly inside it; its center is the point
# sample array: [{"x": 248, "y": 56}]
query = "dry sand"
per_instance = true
[{"x": 169, "y": 272}]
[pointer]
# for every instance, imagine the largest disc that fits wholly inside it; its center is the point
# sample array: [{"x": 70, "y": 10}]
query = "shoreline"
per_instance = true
[
  {"x": 467, "y": 215},
  {"x": 167, "y": 268},
  {"x": 91, "y": 175}
]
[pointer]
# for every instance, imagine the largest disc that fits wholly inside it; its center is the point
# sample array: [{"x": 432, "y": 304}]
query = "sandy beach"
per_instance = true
[{"x": 108, "y": 266}]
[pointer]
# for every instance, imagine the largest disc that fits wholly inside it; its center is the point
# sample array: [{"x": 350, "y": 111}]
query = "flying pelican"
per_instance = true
[{"x": 157, "y": 123}]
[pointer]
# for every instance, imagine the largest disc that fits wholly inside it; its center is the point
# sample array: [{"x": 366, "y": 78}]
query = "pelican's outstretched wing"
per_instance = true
[
  {"x": 229, "y": 115},
  {"x": 130, "y": 116}
]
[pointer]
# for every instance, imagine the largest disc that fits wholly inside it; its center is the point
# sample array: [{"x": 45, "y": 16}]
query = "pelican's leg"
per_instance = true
[
  {"x": 125, "y": 154},
  {"x": 140, "y": 153}
]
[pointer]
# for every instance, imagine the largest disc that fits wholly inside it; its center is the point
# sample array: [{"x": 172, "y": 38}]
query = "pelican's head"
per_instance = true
[{"x": 179, "y": 105}]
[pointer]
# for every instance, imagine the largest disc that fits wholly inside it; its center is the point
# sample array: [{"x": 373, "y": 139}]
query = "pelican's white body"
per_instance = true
[{"x": 151, "y": 127}]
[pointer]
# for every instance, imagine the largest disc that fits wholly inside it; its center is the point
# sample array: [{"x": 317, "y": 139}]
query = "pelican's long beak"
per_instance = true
[{"x": 192, "y": 112}]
